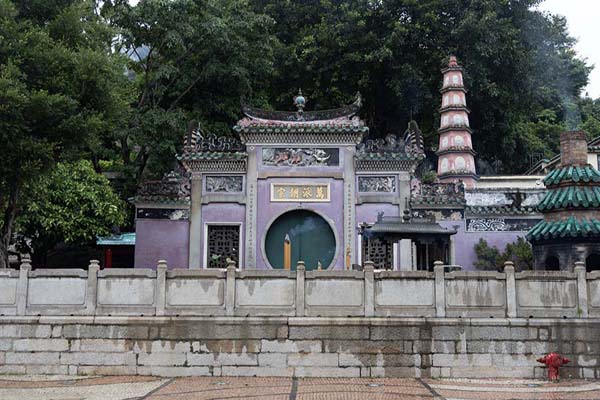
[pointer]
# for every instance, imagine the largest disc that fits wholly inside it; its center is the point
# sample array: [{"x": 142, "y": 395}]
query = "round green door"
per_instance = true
[{"x": 311, "y": 240}]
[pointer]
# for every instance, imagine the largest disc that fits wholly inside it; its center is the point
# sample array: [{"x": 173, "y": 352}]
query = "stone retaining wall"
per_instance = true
[{"x": 303, "y": 347}]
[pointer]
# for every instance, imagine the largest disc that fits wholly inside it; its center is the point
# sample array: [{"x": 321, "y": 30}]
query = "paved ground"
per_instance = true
[{"x": 197, "y": 388}]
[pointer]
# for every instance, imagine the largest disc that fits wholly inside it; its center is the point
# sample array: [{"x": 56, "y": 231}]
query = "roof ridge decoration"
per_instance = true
[
  {"x": 174, "y": 187},
  {"x": 197, "y": 140},
  {"x": 346, "y": 112},
  {"x": 393, "y": 147}
]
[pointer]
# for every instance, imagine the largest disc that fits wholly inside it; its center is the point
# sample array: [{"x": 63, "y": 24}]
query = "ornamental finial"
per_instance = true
[
  {"x": 300, "y": 101},
  {"x": 453, "y": 62}
]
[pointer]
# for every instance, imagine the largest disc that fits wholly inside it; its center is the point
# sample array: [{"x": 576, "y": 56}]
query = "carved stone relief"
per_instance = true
[
  {"x": 380, "y": 184},
  {"x": 224, "y": 184},
  {"x": 300, "y": 157}
]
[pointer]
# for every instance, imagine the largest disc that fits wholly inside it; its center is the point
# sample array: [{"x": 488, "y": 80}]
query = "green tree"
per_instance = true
[
  {"x": 489, "y": 257},
  {"x": 60, "y": 89},
  {"x": 73, "y": 204}
]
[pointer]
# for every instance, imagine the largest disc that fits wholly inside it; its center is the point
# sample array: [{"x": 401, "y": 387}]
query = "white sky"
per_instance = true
[{"x": 584, "y": 24}]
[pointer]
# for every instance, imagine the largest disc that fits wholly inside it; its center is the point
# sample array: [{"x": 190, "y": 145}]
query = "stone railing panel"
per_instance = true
[
  {"x": 593, "y": 290},
  {"x": 56, "y": 291},
  {"x": 475, "y": 294},
  {"x": 264, "y": 293},
  {"x": 126, "y": 292},
  {"x": 546, "y": 294},
  {"x": 334, "y": 293},
  {"x": 404, "y": 293},
  {"x": 195, "y": 292},
  {"x": 9, "y": 280}
]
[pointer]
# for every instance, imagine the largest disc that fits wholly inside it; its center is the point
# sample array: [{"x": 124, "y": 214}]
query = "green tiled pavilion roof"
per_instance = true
[
  {"x": 569, "y": 228},
  {"x": 575, "y": 174},
  {"x": 212, "y": 155},
  {"x": 571, "y": 197},
  {"x": 389, "y": 155}
]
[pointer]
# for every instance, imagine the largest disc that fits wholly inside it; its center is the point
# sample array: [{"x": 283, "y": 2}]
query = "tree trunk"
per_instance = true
[{"x": 8, "y": 221}]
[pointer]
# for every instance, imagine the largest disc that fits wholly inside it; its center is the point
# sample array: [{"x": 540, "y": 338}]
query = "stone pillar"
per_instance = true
[
  {"x": 23, "y": 285},
  {"x": 161, "y": 287},
  {"x": 230, "y": 289},
  {"x": 406, "y": 259},
  {"x": 440, "y": 289},
  {"x": 91, "y": 294},
  {"x": 251, "y": 205},
  {"x": 369, "y": 289},
  {"x": 403, "y": 192},
  {"x": 300, "y": 275},
  {"x": 511, "y": 290},
  {"x": 349, "y": 233},
  {"x": 582, "y": 292},
  {"x": 195, "y": 255}
]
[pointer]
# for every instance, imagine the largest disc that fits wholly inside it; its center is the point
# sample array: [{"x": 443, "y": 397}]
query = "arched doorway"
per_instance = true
[
  {"x": 311, "y": 240},
  {"x": 592, "y": 262},
  {"x": 552, "y": 264}
]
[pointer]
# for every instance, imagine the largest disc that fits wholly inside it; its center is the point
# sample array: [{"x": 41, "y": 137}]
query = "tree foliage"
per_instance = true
[
  {"x": 490, "y": 258},
  {"x": 72, "y": 203}
]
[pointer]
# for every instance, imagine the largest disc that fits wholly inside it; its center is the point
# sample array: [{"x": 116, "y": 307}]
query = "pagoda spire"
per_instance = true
[{"x": 456, "y": 158}]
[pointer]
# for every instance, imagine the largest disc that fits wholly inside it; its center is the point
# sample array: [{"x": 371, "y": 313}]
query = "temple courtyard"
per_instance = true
[{"x": 201, "y": 388}]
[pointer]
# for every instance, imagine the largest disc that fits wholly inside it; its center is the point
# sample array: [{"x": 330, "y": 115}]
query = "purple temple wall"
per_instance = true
[
  {"x": 227, "y": 213},
  {"x": 160, "y": 239},
  {"x": 464, "y": 242},
  {"x": 268, "y": 211},
  {"x": 367, "y": 212}
]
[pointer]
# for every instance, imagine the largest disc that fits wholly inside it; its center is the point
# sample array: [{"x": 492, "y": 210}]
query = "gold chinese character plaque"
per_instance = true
[{"x": 300, "y": 192}]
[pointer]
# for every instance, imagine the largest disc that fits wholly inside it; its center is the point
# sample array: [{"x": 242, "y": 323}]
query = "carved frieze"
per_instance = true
[
  {"x": 300, "y": 157},
  {"x": 500, "y": 224},
  {"x": 224, "y": 184},
  {"x": 377, "y": 184}
]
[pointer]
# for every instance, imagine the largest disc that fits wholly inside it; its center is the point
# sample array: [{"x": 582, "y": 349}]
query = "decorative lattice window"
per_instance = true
[
  {"x": 380, "y": 252},
  {"x": 223, "y": 242}
]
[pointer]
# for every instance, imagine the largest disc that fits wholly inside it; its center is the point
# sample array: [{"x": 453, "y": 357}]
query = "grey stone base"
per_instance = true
[{"x": 303, "y": 347}]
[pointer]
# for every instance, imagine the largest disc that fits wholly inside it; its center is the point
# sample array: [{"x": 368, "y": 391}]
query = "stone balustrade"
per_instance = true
[{"x": 300, "y": 293}]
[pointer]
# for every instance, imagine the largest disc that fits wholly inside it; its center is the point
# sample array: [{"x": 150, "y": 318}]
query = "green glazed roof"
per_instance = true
[
  {"x": 570, "y": 228},
  {"x": 213, "y": 155},
  {"x": 389, "y": 155},
  {"x": 575, "y": 174},
  {"x": 571, "y": 197}
]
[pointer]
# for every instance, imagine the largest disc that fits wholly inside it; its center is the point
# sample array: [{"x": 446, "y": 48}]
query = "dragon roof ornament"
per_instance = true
[{"x": 341, "y": 115}]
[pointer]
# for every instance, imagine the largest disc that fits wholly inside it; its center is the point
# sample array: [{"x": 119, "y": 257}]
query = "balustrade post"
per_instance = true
[
  {"x": 300, "y": 279},
  {"x": 440, "y": 289},
  {"x": 91, "y": 294},
  {"x": 511, "y": 290},
  {"x": 23, "y": 285},
  {"x": 230, "y": 289},
  {"x": 369, "y": 277},
  {"x": 161, "y": 287},
  {"x": 582, "y": 292}
]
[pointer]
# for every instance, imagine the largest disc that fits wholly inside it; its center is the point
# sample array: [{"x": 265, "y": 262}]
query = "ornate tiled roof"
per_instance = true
[
  {"x": 569, "y": 228},
  {"x": 500, "y": 210},
  {"x": 571, "y": 197},
  {"x": 575, "y": 174},
  {"x": 213, "y": 155},
  {"x": 438, "y": 194},
  {"x": 324, "y": 127}
]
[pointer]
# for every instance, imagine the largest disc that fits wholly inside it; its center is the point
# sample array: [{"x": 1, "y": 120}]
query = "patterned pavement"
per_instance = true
[{"x": 199, "y": 388}]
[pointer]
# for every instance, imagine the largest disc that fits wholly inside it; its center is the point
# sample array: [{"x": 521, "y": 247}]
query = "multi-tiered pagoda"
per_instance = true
[
  {"x": 456, "y": 160},
  {"x": 570, "y": 230}
]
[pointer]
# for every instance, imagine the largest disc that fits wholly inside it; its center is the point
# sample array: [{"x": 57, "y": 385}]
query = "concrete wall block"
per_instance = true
[
  {"x": 462, "y": 360},
  {"x": 107, "y": 370},
  {"x": 89, "y": 358},
  {"x": 487, "y": 346},
  {"x": 395, "y": 372},
  {"x": 6, "y": 344},
  {"x": 214, "y": 359},
  {"x": 47, "y": 369},
  {"x": 315, "y": 359},
  {"x": 492, "y": 372},
  {"x": 363, "y": 346},
  {"x": 41, "y": 345},
  {"x": 379, "y": 360},
  {"x": 448, "y": 332},
  {"x": 514, "y": 360},
  {"x": 103, "y": 345},
  {"x": 272, "y": 360},
  {"x": 202, "y": 330},
  {"x": 162, "y": 359},
  {"x": 173, "y": 372},
  {"x": 257, "y": 371},
  {"x": 12, "y": 369},
  {"x": 227, "y": 346},
  {"x": 398, "y": 332},
  {"x": 105, "y": 332},
  {"x": 41, "y": 358},
  {"x": 329, "y": 332},
  {"x": 586, "y": 361},
  {"x": 329, "y": 372},
  {"x": 25, "y": 331},
  {"x": 162, "y": 346},
  {"x": 291, "y": 346},
  {"x": 435, "y": 346}
]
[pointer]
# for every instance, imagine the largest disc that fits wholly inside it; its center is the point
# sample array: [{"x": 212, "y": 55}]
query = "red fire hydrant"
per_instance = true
[{"x": 553, "y": 361}]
